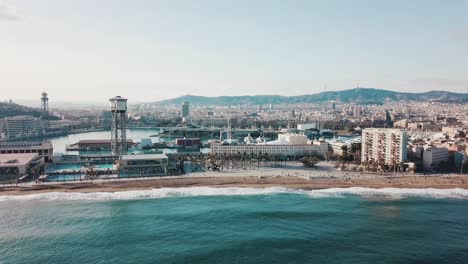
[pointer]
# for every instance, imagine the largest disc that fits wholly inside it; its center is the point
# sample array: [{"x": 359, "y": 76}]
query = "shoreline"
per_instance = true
[{"x": 291, "y": 182}]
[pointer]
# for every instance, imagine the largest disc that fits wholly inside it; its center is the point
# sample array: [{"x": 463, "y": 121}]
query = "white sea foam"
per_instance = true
[{"x": 396, "y": 193}]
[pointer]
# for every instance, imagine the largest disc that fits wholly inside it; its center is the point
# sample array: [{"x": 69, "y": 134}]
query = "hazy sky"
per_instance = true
[{"x": 147, "y": 50}]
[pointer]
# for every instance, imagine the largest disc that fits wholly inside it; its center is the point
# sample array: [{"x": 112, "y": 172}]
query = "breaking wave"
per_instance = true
[{"x": 396, "y": 193}]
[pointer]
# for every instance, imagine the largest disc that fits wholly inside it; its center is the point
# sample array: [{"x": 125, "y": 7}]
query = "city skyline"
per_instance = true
[{"x": 154, "y": 50}]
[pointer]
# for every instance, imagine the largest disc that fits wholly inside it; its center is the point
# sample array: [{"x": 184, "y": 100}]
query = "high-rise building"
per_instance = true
[
  {"x": 389, "y": 118},
  {"x": 118, "y": 108},
  {"x": 407, "y": 111},
  {"x": 106, "y": 119},
  {"x": 185, "y": 109},
  {"x": 384, "y": 146}
]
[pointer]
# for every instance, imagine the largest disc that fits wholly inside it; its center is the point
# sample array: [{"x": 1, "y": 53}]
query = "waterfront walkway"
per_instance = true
[{"x": 292, "y": 169}]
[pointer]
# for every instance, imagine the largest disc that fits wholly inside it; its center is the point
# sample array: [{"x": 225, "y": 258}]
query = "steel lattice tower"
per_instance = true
[
  {"x": 45, "y": 109},
  {"x": 118, "y": 108},
  {"x": 45, "y": 104}
]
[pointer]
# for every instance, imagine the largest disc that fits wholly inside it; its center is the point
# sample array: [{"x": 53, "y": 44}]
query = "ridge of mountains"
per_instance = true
[{"x": 356, "y": 96}]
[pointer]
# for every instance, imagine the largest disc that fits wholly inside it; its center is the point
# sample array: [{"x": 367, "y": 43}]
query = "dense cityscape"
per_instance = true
[
  {"x": 392, "y": 138},
  {"x": 233, "y": 132}
]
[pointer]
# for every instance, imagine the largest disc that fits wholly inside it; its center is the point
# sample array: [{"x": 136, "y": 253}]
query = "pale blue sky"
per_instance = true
[{"x": 149, "y": 50}]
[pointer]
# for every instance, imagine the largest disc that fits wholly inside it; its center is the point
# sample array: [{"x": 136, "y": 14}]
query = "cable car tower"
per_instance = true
[
  {"x": 45, "y": 108},
  {"x": 118, "y": 108}
]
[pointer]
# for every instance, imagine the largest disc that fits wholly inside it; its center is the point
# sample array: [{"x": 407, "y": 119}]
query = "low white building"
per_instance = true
[
  {"x": 287, "y": 145},
  {"x": 142, "y": 165},
  {"x": 304, "y": 127},
  {"x": 338, "y": 147},
  {"x": 292, "y": 139},
  {"x": 434, "y": 155}
]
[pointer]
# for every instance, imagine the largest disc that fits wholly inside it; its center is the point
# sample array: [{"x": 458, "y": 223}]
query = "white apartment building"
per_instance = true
[
  {"x": 433, "y": 155},
  {"x": 21, "y": 127},
  {"x": 384, "y": 145}
]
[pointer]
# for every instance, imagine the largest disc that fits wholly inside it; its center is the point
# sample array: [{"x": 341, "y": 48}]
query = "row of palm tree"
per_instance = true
[{"x": 217, "y": 162}]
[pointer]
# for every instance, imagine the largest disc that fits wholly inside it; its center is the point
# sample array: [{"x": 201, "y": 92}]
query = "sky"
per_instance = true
[{"x": 148, "y": 50}]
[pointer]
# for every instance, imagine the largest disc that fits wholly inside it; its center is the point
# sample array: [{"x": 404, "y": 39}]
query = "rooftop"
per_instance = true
[
  {"x": 144, "y": 156},
  {"x": 99, "y": 141},
  {"x": 24, "y": 144},
  {"x": 14, "y": 160}
]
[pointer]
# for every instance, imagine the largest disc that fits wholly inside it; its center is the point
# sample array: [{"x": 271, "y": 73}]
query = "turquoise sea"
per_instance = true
[{"x": 234, "y": 225}]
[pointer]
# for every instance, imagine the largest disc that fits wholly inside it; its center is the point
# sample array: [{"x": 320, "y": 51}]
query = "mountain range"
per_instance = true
[{"x": 356, "y": 96}]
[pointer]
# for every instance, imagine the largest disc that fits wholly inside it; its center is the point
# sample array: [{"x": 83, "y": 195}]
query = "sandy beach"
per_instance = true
[
  {"x": 294, "y": 182},
  {"x": 294, "y": 176}
]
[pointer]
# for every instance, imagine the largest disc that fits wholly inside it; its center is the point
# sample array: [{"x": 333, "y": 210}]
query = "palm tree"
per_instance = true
[{"x": 91, "y": 174}]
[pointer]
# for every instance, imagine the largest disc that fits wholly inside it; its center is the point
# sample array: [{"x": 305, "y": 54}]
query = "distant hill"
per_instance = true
[
  {"x": 357, "y": 95},
  {"x": 11, "y": 109}
]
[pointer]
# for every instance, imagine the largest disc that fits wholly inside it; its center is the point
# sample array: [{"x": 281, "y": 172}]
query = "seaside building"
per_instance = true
[
  {"x": 13, "y": 166},
  {"x": 142, "y": 165},
  {"x": 338, "y": 147},
  {"x": 19, "y": 127},
  {"x": 43, "y": 149},
  {"x": 289, "y": 145},
  {"x": 96, "y": 144},
  {"x": 384, "y": 146},
  {"x": 433, "y": 155}
]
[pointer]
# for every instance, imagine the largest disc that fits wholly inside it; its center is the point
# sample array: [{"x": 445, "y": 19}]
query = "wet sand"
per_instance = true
[{"x": 438, "y": 182}]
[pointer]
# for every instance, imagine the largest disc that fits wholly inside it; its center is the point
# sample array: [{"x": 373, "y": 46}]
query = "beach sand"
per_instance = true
[{"x": 294, "y": 182}]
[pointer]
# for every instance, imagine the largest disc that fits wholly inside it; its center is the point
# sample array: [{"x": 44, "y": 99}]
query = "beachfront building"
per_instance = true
[
  {"x": 43, "y": 149},
  {"x": 339, "y": 148},
  {"x": 14, "y": 166},
  {"x": 384, "y": 146},
  {"x": 434, "y": 155},
  {"x": 289, "y": 144},
  {"x": 142, "y": 165}
]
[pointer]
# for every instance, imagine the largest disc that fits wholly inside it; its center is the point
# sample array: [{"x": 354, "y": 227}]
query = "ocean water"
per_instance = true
[
  {"x": 237, "y": 225},
  {"x": 60, "y": 143}
]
